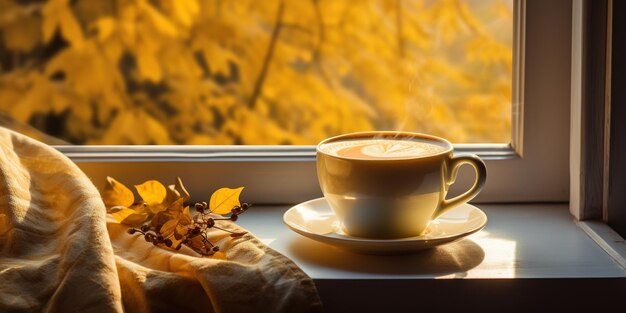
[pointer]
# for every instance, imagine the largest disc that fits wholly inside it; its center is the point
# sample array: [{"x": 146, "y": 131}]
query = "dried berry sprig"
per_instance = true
[
  {"x": 163, "y": 220},
  {"x": 151, "y": 236},
  {"x": 199, "y": 228}
]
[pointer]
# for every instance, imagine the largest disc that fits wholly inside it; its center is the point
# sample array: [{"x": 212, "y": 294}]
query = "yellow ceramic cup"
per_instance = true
[{"x": 396, "y": 197}]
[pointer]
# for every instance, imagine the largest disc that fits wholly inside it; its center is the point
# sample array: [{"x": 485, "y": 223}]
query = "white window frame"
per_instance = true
[{"x": 533, "y": 168}]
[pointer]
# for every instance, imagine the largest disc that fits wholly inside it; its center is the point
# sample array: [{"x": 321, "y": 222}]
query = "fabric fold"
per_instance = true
[
  {"x": 55, "y": 254},
  {"x": 60, "y": 252}
]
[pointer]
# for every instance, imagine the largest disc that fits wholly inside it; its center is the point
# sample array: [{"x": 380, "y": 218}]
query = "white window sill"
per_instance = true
[{"x": 527, "y": 252}]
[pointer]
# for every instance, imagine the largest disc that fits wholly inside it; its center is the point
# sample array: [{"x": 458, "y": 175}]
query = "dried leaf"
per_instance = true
[
  {"x": 224, "y": 199},
  {"x": 181, "y": 230},
  {"x": 172, "y": 212},
  {"x": 151, "y": 191},
  {"x": 168, "y": 228},
  {"x": 177, "y": 235},
  {"x": 163, "y": 217},
  {"x": 181, "y": 189},
  {"x": 116, "y": 194},
  {"x": 177, "y": 206},
  {"x": 180, "y": 224},
  {"x": 130, "y": 217},
  {"x": 196, "y": 242},
  {"x": 140, "y": 208},
  {"x": 175, "y": 192},
  {"x": 171, "y": 195},
  {"x": 173, "y": 222},
  {"x": 156, "y": 208},
  {"x": 120, "y": 215},
  {"x": 135, "y": 219},
  {"x": 185, "y": 217}
]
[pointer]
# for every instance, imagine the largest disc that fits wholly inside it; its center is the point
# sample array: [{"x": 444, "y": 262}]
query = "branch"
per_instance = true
[
  {"x": 317, "y": 51},
  {"x": 297, "y": 27},
  {"x": 320, "y": 30},
  {"x": 258, "y": 86}
]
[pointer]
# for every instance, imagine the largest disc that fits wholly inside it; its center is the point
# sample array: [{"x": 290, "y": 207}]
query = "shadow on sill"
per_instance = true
[{"x": 456, "y": 258}]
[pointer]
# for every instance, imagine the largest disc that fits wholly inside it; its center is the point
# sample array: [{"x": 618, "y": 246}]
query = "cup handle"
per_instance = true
[{"x": 479, "y": 182}]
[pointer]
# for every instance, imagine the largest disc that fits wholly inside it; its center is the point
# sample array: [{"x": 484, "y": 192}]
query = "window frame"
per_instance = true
[
  {"x": 598, "y": 126},
  {"x": 286, "y": 174}
]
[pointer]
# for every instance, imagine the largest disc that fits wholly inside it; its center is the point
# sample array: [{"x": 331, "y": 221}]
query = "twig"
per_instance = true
[
  {"x": 268, "y": 56},
  {"x": 317, "y": 51},
  {"x": 320, "y": 30}
]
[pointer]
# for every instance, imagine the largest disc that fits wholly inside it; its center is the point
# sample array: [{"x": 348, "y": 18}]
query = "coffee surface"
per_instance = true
[{"x": 383, "y": 148}]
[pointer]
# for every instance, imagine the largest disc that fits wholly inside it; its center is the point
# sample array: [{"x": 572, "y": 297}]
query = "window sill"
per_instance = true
[{"x": 526, "y": 252}]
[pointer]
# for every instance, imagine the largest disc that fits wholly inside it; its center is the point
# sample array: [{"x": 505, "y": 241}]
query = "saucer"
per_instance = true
[{"x": 315, "y": 219}]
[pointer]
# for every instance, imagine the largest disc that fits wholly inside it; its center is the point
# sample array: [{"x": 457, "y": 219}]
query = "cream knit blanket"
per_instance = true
[{"x": 59, "y": 252}]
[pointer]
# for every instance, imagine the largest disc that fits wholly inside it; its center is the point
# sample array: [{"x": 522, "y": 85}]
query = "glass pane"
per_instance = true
[{"x": 254, "y": 72}]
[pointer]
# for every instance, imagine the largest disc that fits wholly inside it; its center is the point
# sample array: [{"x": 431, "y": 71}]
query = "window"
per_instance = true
[
  {"x": 538, "y": 89},
  {"x": 257, "y": 72}
]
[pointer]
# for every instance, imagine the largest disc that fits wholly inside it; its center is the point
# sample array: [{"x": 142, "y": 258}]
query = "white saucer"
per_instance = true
[{"x": 315, "y": 219}]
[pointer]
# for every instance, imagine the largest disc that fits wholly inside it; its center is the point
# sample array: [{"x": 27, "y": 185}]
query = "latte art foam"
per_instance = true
[{"x": 383, "y": 148}]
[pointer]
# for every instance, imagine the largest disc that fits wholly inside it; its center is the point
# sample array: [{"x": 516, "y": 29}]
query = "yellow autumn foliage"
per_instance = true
[{"x": 255, "y": 72}]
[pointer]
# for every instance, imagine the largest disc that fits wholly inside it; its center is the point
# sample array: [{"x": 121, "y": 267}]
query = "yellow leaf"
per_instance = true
[
  {"x": 105, "y": 27},
  {"x": 176, "y": 223},
  {"x": 224, "y": 199},
  {"x": 152, "y": 192},
  {"x": 123, "y": 129},
  {"x": 129, "y": 217},
  {"x": 122, "y": 214},
  {"x": 219, "y": 255},
  {"x": 49, "y": 25},
  {"x": 161, "y": 23},
  {"x": 218, "y": 58},
  {"x": 185, "y": 10},
  {"x": 50, "y": 13},
  {"x": 135, "y": 219},
  {"x": 140, "y": 208},
  {"x": 157, "y": 207},
  {"x": 70, "y": 28},
  {"x": 168, "y": 228},
  {"x": 148, "y": 64},
  {"x": 116, "y": 194},
  {"x": 23, "y": 33}
]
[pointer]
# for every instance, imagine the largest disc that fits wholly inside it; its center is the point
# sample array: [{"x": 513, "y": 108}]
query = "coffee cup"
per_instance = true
[{"x": 390, "y": 185}]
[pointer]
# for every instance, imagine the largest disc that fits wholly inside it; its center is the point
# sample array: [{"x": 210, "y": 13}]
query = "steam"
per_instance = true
[{"x": 414, "y": 109}]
